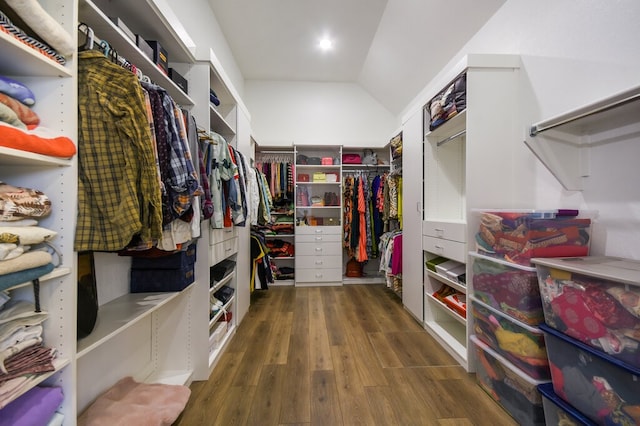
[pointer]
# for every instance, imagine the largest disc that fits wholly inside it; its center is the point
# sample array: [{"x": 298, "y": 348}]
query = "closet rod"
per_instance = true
[
  {"x": 275, "y": 152},
  {"x": 604, "y": 105},
  {"x": 450, "y": 138}
]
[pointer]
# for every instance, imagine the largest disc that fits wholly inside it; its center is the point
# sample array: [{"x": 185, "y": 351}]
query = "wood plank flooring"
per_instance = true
[{"x": 335, "y": 356}]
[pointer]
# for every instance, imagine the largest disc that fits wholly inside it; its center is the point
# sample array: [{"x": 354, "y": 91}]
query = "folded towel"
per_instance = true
[{"x": 35, "y": 407}]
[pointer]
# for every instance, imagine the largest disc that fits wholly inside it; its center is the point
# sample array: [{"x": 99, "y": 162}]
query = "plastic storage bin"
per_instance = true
[
  {"x": 518, "y": 236},
  {"x": 519, "y": 343},
  {"x": 557, "y": 411},
  {"x": 601, "y": 387},
  {"x": 595, "y": 300},
  {"x": 516, "y": 392},
  {"x": 508, "y": 287}
]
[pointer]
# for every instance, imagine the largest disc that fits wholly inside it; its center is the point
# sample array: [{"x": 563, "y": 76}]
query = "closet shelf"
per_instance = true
[
  {"x": 218, "y": 122},
  {"x": 122, "y": 313},
  {"x": 26, "y": 61},
  {"x": 172, "y": 378},
  {"x": 451, "y": 338},
  {"x": 447, "y": 281},
  {"x": 223, "y": 281},
  {"x": 156, "y": 21},
  {"x": 448, "y": 129},
  {"x": 214, "y": 355},
  {"x": 16, "y": 157},
  {"x": 105, "y": 29},
  {"x": 446, "y": 309},
  {"x": 562, "y": 143},
  {"x": 226, "y": 306},
  {"x": 56, "y": 273},
  {"x": 35, "y": 379}
]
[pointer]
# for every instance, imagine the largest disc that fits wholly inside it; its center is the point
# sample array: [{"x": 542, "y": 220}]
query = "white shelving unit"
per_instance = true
[
  {"x": 466, "y": 160},
  {"x": 153, "y": 329},
  {"x": 318, "y": 230},
  {"x": 54, "y": 86},
  {"x": 563, "y": 143}
]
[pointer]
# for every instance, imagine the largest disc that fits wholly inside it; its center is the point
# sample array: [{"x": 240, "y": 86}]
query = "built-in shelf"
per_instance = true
[
  {"x": 225, "y": 308},
  {"x": 33, "y": 380},
  {"x": 16, "y": 157},
  {"x": 214, "y": 355},
  {"x": 172, "y": 378},
  {"x": 452, "y": 339},
  {"x": 461, "y": 288},
  {"x": 225, "y": 280},
  {"x": 98, "y": 20},
  {"x": 56, "y": 273},
  {"x": 218, "y": 122},
  {"x": 26, "y": 61},
  {"x": 562, "y": 143},
  {"x": 447, "y": 310},
  {"x": 119, "y": 314}
]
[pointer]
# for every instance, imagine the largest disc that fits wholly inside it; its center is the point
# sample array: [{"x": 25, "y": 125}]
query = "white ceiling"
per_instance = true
[{"x": 392, "y": 48}]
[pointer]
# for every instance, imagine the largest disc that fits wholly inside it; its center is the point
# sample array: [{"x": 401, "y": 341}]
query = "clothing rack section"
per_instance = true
[
  {"x": 391, "y": 259},
  {"x": 365, "y": 218}
]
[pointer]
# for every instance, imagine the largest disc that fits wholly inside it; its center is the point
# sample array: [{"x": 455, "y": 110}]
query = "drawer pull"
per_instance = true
[
  {"x": 318, "y": 248},
  {"x": 228, "y": 249},
  {"x": 318, "y": 231},
  {"x": 318, "y": 238},
  {"x": 318, "y": 275},
  {"x": 318, "y": 262}
]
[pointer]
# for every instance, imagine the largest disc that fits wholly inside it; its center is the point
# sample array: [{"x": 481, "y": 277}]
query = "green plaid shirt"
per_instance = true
[{"x": 118, "y": 190}]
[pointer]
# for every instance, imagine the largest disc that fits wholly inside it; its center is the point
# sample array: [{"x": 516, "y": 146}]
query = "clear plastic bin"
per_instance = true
[
  {"x": 595, "y": 300},
  {"x": 516, "y": 392},
  {"x": 508, "y": 287},
  {"x": 519, "y": 343},
  {"x": 601, "y": 387},
  {"x": 558, "y": 412},
  {"x": 519, "y": 235}
]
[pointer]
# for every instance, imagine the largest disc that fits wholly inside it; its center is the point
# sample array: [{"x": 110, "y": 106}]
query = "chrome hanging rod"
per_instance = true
[
  {"x": 592, "y": 109},
  {"x": 452, "y": 137}
]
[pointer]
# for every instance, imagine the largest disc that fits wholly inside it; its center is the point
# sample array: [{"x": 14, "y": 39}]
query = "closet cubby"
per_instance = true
[
  {"x": 280, "y": 231},
  {"x": 318, "y": 215},
  {"x": 54, "y": 86},
  {"x": 466, "y": 159}
]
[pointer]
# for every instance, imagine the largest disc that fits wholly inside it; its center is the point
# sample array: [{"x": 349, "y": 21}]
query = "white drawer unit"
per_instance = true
[
  {"x": 319, "y": 276},
  {"x": 318, "y": 249},
  {"x": 311, "y": 262},
  {"x": 318, "y": 255},
  {"x": 453, "y": 250},
  {"x": 455, "y": 231},
  {"x": 217, "y": 235},
  {"x": 318, "y": 230},
  {"x": 318, "y": 238},
  {"x": 222, "y": 250}
]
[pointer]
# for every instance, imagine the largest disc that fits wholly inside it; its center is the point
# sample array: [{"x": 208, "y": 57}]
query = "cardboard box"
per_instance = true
[
  {"x": 144, "y": 47},
  {"x": 160, "y": 56},
  {"x": 179, "y": 80},
  {"x": 121, "y": 25}
]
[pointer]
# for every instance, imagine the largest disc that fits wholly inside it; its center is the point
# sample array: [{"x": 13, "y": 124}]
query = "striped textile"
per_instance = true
[{"x": 8, "y": 27}]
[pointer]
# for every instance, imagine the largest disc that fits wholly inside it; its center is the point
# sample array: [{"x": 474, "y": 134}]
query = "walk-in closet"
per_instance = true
[{"x": 330, "y": 213}]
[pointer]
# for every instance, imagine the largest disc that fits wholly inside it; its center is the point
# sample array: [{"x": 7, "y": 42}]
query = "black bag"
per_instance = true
[
  {"x": 221, "y": 270},
  {"x": 224, "y": 294},
  {"x": 87, "y": 295}
]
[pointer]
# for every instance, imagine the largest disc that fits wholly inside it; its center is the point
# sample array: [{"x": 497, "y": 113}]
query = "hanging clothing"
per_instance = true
[{"x": 118, "y": 192}]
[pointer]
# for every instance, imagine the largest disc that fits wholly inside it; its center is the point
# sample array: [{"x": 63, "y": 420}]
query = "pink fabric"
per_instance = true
[
  {"x": 131, "y": 403},
  {"x": 396, "y": 258},
  {"x": 362, "y": 240}
]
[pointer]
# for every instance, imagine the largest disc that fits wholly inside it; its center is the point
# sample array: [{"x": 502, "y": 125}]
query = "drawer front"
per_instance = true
[
  {"x": 319, "y": 249},
  {"x": 317, "y": 230},
  {"x": 311, "y": 262},
  {"x": 453, "y": 250},
  {"x": 446, "y": 230},
  {"x": 319, "y": 275},
  {"x": 318, "y": 238},
  {"x": 222, "y": 250},
  {"x": 221, "y": 234}
]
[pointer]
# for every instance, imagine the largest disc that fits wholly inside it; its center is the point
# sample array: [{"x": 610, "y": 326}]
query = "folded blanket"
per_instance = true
[
  {"x": 15, "y": 278},
  {"x": 30, "y": 141},
  {"x": 35, "y": 407},
  {"x": 17, "y": 203},
  {"x": 26, "y": 235},
  {"x": 28, "y": 260},
  {"x": 9, "y": 116},
  {"x": 141, "y": 404},
  {"x": 24, "y": 113}
]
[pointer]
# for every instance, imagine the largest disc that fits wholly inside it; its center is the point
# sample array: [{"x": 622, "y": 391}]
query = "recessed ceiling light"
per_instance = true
[{"x": 325, "y": 44}]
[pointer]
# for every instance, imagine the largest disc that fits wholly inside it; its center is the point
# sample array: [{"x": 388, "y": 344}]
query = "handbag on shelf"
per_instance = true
[{"x": 303, "y": 177}]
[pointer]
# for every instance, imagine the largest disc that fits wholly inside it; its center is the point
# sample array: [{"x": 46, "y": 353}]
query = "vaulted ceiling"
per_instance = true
[{"x": 392, "y": 48}]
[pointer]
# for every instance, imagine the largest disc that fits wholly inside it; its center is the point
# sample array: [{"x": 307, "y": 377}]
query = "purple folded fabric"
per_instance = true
[{"x": 35, "y": 407}]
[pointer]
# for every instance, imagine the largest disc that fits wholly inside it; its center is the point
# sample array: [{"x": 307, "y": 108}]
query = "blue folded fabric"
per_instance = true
[
  {"x": 15, "y": 278},
  {"x": 213, "y": 98},
  {"x": 35, "y": 407}
]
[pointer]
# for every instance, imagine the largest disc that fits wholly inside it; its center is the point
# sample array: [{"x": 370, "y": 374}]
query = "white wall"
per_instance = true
[
  {"x": 201, "y": 24},
  {"x": 316, "y": 113},
  {"x": 573, "y": 52}
]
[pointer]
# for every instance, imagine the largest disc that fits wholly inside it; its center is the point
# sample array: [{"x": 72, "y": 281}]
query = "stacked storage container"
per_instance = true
[
  {"x": 510, "y": 350},
  {"x": 592, "y": 330}
]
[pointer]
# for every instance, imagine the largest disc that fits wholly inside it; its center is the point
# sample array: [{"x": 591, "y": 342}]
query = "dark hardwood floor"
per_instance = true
[{"x": 334, "y": 356}]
